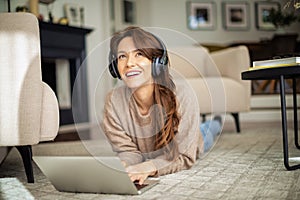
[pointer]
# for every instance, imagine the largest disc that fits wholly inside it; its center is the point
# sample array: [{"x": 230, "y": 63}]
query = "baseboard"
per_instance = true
[
  {"x": 265, "y": 116},
  {"x": 73, "y": 127},
  {"x": 271, "y": 101},
  {"x": 73, "y": 132},
  {"x": 267, "y": 108}
]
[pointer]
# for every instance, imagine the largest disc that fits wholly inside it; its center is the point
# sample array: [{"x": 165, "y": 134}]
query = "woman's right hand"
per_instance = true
[
  {"x": 141, "y": 171},
  {"x": 124, "y": 163}
]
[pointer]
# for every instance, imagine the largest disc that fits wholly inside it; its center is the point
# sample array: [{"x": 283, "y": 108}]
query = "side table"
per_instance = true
[{"x": 281, "y": 73}]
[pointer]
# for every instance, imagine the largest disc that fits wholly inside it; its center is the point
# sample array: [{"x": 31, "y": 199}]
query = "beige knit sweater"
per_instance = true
[{"x": 132, "y": 135}]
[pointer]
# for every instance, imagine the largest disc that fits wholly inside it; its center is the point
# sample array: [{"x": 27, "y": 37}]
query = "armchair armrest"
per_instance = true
[
  {"x": 50, "y": 114},
  {"x": 232, "y": 61},
  {"x": 191, "y": 61}
]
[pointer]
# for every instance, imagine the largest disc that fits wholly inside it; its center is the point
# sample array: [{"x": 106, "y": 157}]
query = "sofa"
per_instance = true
[{"x": 215, "y": 77}]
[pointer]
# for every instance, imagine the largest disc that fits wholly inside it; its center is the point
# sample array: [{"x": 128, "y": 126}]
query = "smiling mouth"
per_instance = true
[{"x": 132, "y": 73}]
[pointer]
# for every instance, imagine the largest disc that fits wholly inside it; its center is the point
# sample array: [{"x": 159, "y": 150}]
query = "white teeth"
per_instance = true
[{"x": 132, "y": 73}]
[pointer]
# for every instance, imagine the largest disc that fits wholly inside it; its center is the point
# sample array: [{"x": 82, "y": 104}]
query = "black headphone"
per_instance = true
[{"x": 159, "y": 64}]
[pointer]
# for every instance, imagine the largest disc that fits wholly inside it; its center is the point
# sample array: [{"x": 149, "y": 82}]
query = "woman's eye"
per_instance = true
[
  {"x": 139, "y": 54},
  {"x": 121, "y": 57}
]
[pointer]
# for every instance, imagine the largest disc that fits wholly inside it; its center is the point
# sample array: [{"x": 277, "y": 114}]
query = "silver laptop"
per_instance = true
[{"x": 90, "y": 174}]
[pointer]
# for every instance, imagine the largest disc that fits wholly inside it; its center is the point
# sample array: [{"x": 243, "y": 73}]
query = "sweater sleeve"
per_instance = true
[
  {"x": 120, "y": 141},
  {"x": 188, "y": 137}
]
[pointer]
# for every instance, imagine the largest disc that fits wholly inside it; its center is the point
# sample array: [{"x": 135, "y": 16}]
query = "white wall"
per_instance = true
[{"x": 172, "y": 14}]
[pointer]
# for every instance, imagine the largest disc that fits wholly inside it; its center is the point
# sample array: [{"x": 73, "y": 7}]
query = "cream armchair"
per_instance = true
[
  {"x": 29, "y": 110},
  {"x": 215, "y": 78}
]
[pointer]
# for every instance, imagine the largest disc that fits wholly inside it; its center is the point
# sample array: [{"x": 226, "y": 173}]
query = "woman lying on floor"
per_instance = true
[{"x": 152, "y": 121}]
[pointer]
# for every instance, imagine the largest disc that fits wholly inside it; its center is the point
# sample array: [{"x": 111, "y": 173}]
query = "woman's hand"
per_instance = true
[
  {"x": 141, "y": 171},
  {"x": 124, "y": 163}
]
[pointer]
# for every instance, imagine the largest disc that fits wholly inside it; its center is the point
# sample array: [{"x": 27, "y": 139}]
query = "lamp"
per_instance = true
[{"x": 34, "y": 7}]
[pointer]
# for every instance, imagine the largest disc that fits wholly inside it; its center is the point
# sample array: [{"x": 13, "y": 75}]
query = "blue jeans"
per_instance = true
[{"x": 209, "y": 129}]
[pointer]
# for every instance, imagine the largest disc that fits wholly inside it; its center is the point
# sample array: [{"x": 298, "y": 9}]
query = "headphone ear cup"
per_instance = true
[
  {"x": 113, "y": 67},
  {"x": 155, "y": 67},
  {"x": 159, "y": 65}
]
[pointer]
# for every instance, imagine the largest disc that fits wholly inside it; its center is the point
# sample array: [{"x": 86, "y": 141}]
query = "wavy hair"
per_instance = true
[{"x": 164, "y": 88}]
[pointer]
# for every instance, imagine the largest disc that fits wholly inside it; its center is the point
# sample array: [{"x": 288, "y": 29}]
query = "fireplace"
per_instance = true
[{"x": 65, "y": 45}]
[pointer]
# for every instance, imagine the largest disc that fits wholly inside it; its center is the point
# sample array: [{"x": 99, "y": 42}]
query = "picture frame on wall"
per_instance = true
[
  {"x": 262, "y": 13},
  {"x": 235, "y": 15},
  {"x": 201, "y": 15},
  {"x": 72, "y": 12},
  {"x": 129, "y": 11}
]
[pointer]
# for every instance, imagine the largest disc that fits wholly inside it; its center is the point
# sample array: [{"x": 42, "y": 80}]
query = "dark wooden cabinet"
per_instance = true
[{"x": 66, "y": 42}]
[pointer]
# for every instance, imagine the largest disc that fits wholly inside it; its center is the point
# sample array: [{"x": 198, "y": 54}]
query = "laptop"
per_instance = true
[{"x": 89, "y": 174}]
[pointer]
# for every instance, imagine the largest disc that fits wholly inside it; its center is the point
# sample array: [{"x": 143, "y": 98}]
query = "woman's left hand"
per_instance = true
[{"x": 141, "y": 171}]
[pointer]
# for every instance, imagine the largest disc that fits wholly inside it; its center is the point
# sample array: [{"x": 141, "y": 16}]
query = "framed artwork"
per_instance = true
[
  {"x": 235, "y": 15},
  {"x": 262, "y": 12},
  {"x": 201, "y": 15},
  {"x": 129, "y": 12},
  {"x": 72, "y": 12}
]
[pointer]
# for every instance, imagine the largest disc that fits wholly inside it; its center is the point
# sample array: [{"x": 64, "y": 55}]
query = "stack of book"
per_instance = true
[{"x": 281, "y": 62}]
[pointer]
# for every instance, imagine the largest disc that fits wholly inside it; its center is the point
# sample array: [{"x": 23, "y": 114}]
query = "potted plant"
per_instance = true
[{"x": 282, "y": 18}]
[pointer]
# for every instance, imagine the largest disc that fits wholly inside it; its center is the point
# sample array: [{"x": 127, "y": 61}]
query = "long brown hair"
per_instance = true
[{"x": 164, "y": 88}]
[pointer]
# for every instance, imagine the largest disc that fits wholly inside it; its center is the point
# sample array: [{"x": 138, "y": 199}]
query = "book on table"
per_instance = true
[{"x": 281, "y": 62}]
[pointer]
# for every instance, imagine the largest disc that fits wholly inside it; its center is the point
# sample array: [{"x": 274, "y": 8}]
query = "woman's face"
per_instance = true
[{"x": 133, "y": 66}]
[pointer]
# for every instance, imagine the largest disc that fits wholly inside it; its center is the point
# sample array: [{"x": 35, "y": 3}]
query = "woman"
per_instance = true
[{"x": 151, "y": 123}]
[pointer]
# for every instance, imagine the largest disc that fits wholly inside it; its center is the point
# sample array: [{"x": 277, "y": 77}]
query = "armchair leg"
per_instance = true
[
  {"x": 237, "y": 121},
  {"x": 26, "y": 153}
]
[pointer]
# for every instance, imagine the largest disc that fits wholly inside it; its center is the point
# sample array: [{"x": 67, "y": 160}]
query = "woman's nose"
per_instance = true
[{"x": 130, "y": 61}]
